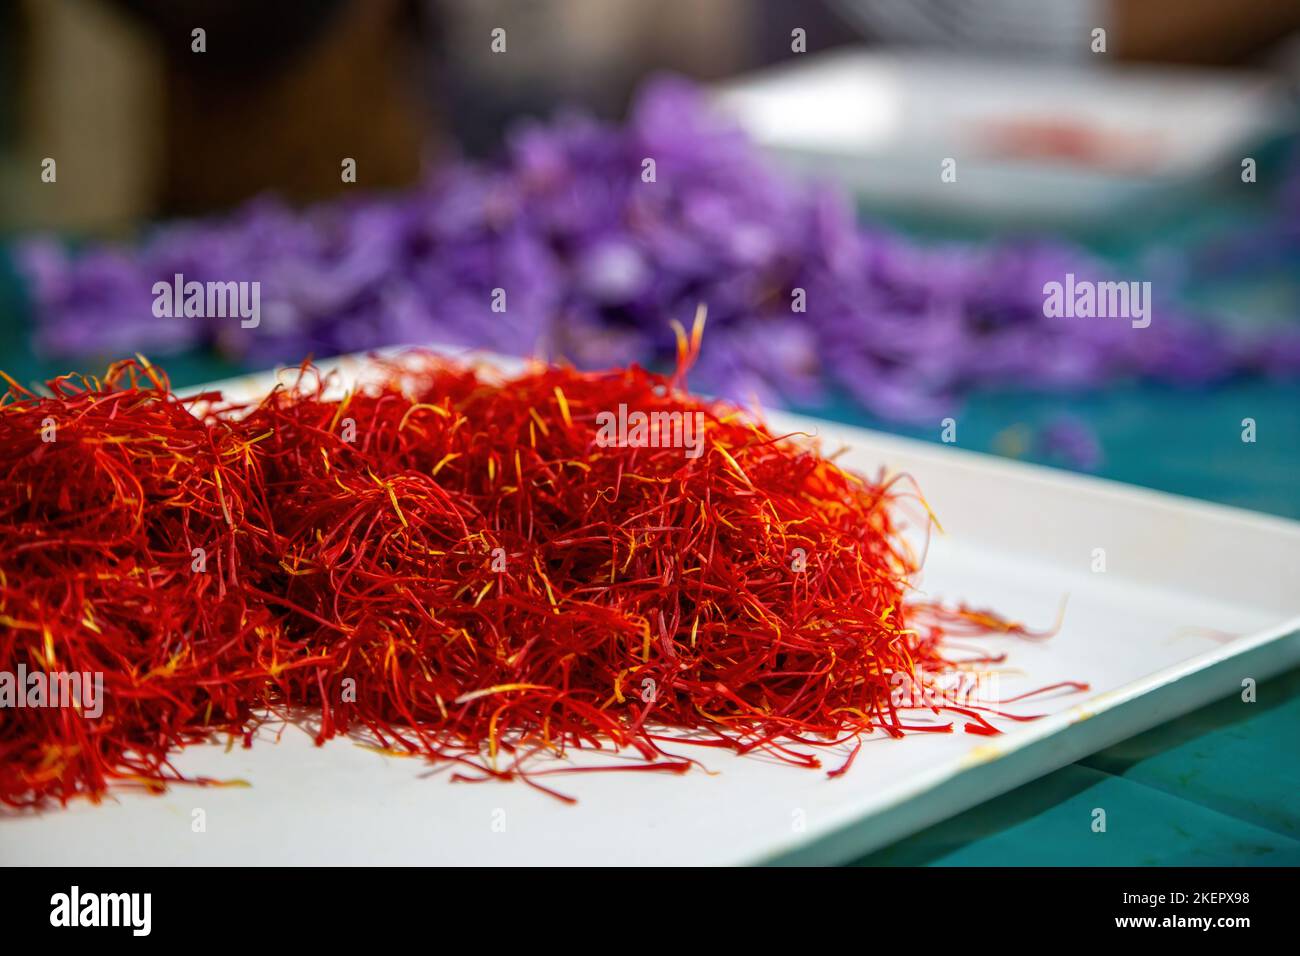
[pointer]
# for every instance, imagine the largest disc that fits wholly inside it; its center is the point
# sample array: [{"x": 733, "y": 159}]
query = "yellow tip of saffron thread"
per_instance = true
[
  {"x": 436, "y": 409},
  {"x": 540, "y": 423},
  {"x": 338, "y": 412},
  {"x": 446, "y": 459},
  {"x": 49, "y": 648},
  {"x": 225, "y": 510},
  {"x": 564, "y": 406},
  {"x": 498, "y": 689},
  {"x": 735, "y": 465},
  {"x": 392, "y": 496},
  {"x": 687, "y": 348}
]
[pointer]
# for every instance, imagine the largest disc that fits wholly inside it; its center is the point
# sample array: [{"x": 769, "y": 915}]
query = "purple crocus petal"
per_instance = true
[
  {"x": 1279, "y": 356},
  {"x": 1070, "y": 442},
  {"x": 611, "y": 270}
]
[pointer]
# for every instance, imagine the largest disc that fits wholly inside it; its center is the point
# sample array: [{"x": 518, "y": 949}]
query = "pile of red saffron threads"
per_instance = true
[{"x": 447, "y": 564}]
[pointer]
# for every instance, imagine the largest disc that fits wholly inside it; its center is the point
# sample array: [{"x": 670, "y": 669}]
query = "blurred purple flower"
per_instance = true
[
  {"x": 594, "y": 262},
  {"x": 1070, "y": 442}
]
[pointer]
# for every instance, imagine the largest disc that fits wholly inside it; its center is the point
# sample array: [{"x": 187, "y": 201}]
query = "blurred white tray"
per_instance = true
[
  {"x": 1196, "y": 598},
  {"x": 1032, "y": 140}
]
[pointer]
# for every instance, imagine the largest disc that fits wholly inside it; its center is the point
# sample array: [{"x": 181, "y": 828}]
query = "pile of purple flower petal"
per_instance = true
[{"x": 594, "y": 263}]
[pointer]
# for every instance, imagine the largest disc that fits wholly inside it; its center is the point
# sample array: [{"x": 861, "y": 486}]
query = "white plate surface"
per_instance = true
[
  {"x": 883, "y": 120},
  {"x": 1195, "y": 598}
]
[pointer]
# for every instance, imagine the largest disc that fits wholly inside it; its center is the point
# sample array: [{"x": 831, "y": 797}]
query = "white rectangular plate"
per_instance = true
[
  {"x": 881, "y": 120},
  {"x": 1195, "y": 598}
]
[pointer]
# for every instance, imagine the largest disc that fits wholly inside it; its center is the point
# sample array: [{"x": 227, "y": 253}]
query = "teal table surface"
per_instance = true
[{"x": 1216, "y": 787}]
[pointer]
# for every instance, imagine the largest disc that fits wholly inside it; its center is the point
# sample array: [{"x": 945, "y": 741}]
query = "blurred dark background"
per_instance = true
[{"x": 145, "y": 129}]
